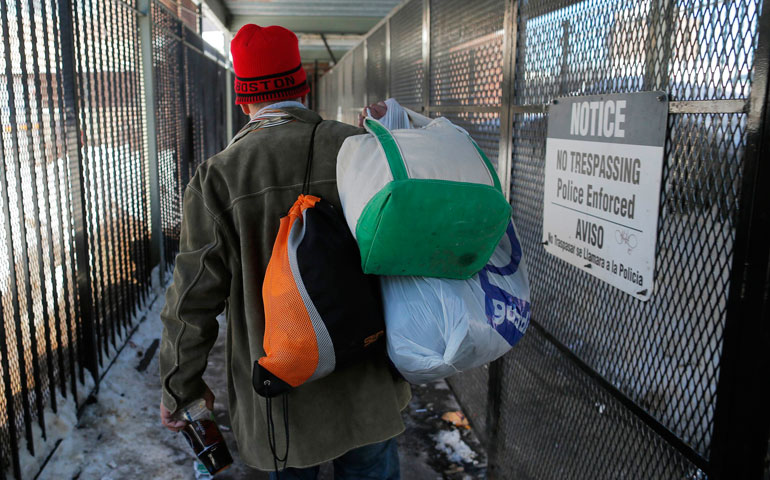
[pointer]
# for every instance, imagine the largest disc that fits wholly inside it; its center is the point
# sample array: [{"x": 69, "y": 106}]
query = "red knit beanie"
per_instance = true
[{"x": 267, "y": 65}]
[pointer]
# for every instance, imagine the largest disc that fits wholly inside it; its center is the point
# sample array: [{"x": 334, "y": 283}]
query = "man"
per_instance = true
[{"x": 232, "y": 208}]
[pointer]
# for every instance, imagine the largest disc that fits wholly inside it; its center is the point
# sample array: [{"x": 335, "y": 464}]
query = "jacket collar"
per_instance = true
[
  {"x": 303, "y": 114},
  {"x": 276, "y": 106}
]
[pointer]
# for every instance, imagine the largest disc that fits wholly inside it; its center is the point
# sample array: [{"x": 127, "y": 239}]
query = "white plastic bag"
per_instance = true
[
  {"x": 396, "y": 116},
  {"x": 437, "y": 327}
]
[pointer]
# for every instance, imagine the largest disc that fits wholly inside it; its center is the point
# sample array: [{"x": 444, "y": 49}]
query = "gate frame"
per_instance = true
[
  {"x": 157, "y": 251},
  {"x": 741, "y": 431},
  {"x": 742, "y": 418}
]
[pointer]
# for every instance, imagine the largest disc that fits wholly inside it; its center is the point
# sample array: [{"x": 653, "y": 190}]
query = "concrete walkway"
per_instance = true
[{"x": 120, "y": 436}]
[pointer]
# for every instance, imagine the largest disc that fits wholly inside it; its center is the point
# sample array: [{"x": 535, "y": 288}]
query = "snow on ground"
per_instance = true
[
  {"x": 58, "y": 426},
  {"x": 449, "y": 442},
  {"x": 120, "y": 436}
]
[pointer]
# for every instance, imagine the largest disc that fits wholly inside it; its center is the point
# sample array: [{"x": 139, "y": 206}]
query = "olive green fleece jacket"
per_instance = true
[{"x": 231, "y": 214}]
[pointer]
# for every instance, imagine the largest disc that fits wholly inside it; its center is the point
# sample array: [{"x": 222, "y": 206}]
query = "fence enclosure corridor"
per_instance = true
[
  {"x": 76, "y": 178},
  {"x": 102, "y": 109},
  {"x": 604, "y": 385}
]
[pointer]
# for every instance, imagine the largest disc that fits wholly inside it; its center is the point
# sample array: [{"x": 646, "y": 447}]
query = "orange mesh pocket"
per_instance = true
[{"x": 291, "y": 348}]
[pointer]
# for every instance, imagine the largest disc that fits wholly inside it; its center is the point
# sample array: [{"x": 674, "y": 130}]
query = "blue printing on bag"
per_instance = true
[{"x": 508, "y": 315}]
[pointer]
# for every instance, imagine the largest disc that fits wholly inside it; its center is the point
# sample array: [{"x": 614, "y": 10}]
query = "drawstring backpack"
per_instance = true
[{"x": 321, "y": 310}]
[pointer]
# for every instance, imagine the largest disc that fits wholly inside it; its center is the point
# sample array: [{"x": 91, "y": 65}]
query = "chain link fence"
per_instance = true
[
  {"x": 39, "y": 340},
  {"x": 603, "y": 385},
  {"x": 76, "y": 250},
  {"x": 191, "y": 92}
]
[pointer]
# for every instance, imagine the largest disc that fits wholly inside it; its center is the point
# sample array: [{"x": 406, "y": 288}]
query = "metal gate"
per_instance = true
[
  {"x": 604, "y": 385},
  {"x": 73, "y": 262},
  {"x": 80, "y": 193},
  {"x": 191, "y": 98}
]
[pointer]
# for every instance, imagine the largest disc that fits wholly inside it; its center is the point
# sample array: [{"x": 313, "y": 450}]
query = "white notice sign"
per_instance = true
[{"x": 603, "y": 165}]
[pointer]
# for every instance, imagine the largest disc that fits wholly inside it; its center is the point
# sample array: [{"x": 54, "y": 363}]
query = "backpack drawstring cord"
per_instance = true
[{"x": 271, "y": 431}]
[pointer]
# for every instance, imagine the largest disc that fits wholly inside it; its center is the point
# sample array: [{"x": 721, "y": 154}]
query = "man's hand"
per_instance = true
[
  {"x": 168, "y": 420},
  {"x": 377, "y": 111}
]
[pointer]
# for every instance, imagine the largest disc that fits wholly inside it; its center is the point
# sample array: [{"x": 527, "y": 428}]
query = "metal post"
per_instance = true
[
  {"x": 88, "y": 347},
  {"x": 229, "y": 105},
  {"x": 188, "y": 148},
  {"x": 328, "y": 49},
  {"x": 741, "y": 418},
  {"x": 157, "y": 253},
  {"x": 387, "y": 58},
  {"x": 509, "y": 75},
  {"x": 184, "y": 154},
  {"x": 495, "y": 382},
  {"x": 229, "y": 102},
  {"x": 426, "y": 56},
  {"x": 314, "y": 92},
  {"x": 199, "y": 18},
  {"x": 564, "y": 70},
  {"x": 657, "y": 56},
  {"x": 366, "y": 75}
]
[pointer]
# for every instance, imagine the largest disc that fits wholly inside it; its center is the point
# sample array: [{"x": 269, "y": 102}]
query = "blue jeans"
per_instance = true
[{"x": 378, "y": 461}]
